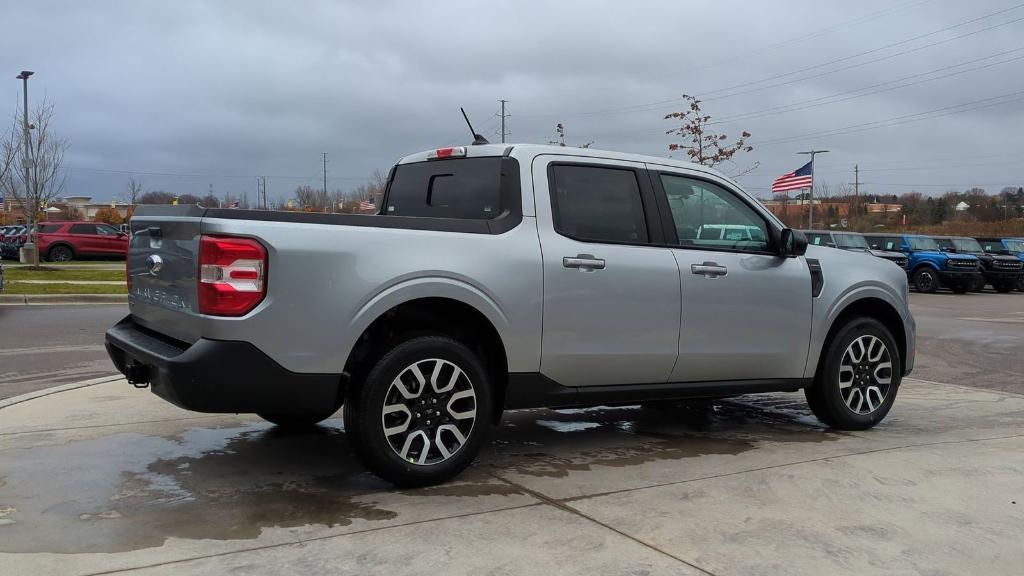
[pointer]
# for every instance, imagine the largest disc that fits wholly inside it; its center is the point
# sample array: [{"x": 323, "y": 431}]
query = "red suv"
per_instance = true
[{"x": 64, "y": 241}]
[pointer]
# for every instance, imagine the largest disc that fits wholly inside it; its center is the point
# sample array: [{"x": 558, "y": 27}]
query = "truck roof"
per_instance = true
[{"x": 538, "y": 149}]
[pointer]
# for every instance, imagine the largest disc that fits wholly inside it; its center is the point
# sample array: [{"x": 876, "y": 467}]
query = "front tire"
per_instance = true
[
  {"x": 422, "y": 413},
  {"x": 926, "y": 280},
  {"x": 296, "y": 420},
  {"x": 857, "y": 378}
]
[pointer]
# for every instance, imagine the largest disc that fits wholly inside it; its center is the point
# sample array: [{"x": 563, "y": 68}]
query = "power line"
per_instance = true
[
  {"x": 201, "y": 175},
  {"x": 879, "y": 49},
  {"x": 853, "y": 94},
  {"x": 861, "y": 92},
  {"x": 897, "y": 120},
  {"x": 710, "y": 95}
]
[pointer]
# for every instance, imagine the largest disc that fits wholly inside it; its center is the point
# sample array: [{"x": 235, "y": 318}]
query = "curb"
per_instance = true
[
  {"x": 63, "y": 299},
  {"x": 56, "y": 390}
]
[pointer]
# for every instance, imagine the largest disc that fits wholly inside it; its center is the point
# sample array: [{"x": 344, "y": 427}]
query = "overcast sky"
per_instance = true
[{"x": 193, "y": 94}]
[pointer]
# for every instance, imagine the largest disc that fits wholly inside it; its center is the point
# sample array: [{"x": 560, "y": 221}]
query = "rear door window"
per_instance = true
[
  {"x": 598, "y": 204},
  {"x": 468, "y": 188},
  {"x": 48, "y": 228}
]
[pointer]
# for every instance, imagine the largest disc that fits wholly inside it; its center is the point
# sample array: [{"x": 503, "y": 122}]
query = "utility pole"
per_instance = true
[
  {"x": 856, "y": 180},
  {"x": 503, "y": 133},
  {"x": 812, "y": 153},
  {"x": 325, "y": 176}
]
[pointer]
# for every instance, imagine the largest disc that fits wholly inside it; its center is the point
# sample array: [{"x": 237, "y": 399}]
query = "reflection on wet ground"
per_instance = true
[{"x": 128, "y": 491}]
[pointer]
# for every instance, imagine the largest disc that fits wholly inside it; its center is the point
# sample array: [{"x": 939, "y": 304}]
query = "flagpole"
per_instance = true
[{"x": 810, "y": 219}]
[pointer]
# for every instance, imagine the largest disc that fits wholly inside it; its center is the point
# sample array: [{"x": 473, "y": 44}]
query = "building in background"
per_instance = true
[{"x": 66, "y": 208}]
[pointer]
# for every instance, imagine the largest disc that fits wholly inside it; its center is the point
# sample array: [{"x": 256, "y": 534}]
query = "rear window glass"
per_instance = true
[
  {"x": 598, "y": 204},
  {"x": 48, "y": 228},
  {"x": 468, "y": 188}
]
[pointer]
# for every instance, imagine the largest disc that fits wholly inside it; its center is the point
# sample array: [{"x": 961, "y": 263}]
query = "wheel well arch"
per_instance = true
[
  {"x": 925, "y": 264},
  {"x": 63, "y": 243},
  {"x": 447, "y": 316},
  {"x": 877, "y": 309}
]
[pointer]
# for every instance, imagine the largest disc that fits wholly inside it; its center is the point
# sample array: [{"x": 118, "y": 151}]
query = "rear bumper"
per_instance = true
[{"x": 217, "y": 376}]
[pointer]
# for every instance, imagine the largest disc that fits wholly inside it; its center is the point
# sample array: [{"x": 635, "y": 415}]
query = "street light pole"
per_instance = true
[
  {"x": 810, "y": 219},
  {"x": 24, "y": 82},
  {"x": 29, "y": 249}
]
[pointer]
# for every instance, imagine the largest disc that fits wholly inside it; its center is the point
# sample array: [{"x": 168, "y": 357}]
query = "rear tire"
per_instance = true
[
  {"x": 60, "y": 254},
  {"x": 926, "y": 280},
  {"x": 296, "y": 420},
  {"x": 422, "y": 413},
  {"x": 858, "y": 377}
]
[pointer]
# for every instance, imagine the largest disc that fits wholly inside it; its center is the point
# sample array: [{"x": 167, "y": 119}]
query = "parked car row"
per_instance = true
[
  {"x": 12, "y": 237},
  {"x": 956, "y": 262},
  {"x": 66, "y": 241}
]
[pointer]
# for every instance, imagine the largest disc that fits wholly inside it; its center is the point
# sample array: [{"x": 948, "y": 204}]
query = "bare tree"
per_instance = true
[
  {"x": 560, "y": 131},
  {"x": 702, "y": 145},
  {"x": 10, "y": 146},
  {"x": 132, "y": 191},
  {"x": 36, "y": 176},
  {"x": 311, "y": 199}
]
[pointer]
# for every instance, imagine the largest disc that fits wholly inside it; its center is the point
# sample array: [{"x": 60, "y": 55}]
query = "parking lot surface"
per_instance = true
[{"x": 108, "y": 478}]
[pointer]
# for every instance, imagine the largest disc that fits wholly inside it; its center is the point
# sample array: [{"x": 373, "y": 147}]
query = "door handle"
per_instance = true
[
  {"x": 585, "y": 262},
  {"x": 709, "y": 270}
]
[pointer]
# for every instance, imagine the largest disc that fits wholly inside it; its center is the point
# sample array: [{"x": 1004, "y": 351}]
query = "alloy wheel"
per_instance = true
[
  {"x": 865, "y": 374},
  {"x": 429, "y": 411}
]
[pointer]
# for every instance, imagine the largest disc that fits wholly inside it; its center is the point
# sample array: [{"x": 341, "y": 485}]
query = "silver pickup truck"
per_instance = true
[{"x": 501, "y": 277}]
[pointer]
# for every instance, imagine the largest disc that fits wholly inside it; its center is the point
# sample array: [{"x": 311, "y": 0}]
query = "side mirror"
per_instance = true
[{"x": 792, "y": 243}]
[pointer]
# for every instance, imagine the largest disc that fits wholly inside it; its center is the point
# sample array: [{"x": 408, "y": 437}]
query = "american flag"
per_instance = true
[
  {"x": 795, "y": 180},
  {"x": 367, "y": 205}
]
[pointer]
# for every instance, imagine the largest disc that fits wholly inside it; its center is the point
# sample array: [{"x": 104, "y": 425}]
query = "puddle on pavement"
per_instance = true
[
  {"x": 130, "y": 491},
  {"x": 553, "y": 444}
]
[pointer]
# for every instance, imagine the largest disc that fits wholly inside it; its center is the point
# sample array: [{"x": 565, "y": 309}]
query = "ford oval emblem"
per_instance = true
[{"x": 155, "y": 263}]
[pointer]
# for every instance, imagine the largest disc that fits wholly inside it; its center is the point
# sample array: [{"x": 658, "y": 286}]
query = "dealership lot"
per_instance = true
[{"x": 107, "y": 478}]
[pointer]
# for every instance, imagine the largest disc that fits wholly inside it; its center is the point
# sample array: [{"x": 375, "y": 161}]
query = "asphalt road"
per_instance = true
[
  {"x": 44, "y": 346},
  {"x": 968, "y": 339}
]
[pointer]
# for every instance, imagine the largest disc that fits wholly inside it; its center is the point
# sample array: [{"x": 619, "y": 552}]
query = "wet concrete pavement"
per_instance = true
[{"x": 108, "y": 478}]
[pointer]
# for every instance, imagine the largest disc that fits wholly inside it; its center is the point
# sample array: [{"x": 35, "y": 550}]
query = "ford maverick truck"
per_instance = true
[{"x": 497, "y": 278}]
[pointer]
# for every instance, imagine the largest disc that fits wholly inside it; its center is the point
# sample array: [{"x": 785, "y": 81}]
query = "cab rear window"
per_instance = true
[{"x": 467, "y": 188}]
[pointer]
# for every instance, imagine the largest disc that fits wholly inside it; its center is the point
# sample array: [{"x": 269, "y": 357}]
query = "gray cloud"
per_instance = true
[{"x": 233, "y": 90}]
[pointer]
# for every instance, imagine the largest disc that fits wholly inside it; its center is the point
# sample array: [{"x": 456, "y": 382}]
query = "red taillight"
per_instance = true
[{"x": 232, "y": 275}]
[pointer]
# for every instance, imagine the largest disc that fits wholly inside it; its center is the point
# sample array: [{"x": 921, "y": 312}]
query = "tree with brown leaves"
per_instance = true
[{"x": 701, "y": 144}]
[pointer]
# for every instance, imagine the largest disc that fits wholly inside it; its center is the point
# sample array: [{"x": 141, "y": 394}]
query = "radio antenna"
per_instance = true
[{"x": 477, "y": 139}]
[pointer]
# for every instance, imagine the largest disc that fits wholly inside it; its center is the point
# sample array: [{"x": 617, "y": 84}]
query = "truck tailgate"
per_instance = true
[{"x": 162, "y": 267}]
